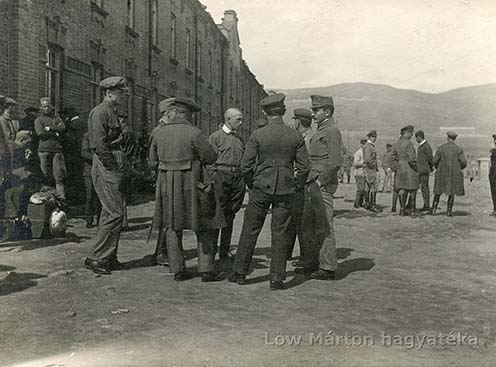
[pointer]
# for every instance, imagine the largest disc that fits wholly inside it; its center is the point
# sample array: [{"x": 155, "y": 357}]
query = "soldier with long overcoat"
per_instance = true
[
  {"x": 370, "y": 168},
  {"x": 185, "y": 196},
  {"x": 406, "y": 179},
  {"x": 449, "y": 162},
  {"x": 275, "y": 165}
]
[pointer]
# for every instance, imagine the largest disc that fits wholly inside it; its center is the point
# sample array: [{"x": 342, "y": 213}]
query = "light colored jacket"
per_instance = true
[{"x": 358, "y": 162}]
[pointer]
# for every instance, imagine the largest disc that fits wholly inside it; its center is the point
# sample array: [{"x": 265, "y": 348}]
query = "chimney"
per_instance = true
[{"x": 230, "y": 19}]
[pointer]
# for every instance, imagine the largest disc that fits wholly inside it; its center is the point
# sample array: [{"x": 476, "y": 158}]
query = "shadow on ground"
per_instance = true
[
  {"x": 16, "y": 282},
  {"x": 27, "y": 245}
]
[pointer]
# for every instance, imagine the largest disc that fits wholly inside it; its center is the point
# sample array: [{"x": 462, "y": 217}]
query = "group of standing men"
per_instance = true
[
  {"x": 201, "y": 185},
  {"x": 410, "y": 169}
]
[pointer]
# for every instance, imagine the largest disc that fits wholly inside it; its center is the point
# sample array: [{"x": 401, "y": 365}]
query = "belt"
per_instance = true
[
  {"x": 175, "y": 166},
  {"x": 227, "y": 168},
  {"x": 278, "y": 163}
]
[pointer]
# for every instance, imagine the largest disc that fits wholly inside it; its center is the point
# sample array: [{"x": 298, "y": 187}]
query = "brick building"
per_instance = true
[{"x": 63, "y": 48}]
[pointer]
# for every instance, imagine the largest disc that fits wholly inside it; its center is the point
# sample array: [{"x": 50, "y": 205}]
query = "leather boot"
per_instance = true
[
  {"x": 362, "y": 198},
  {"x": 395, "y": 201},
  {"x": 435, "y": 204},
  {"x": 358, "y": 198},
  {"x": 373, "y": 196},
  {"x": 402, "y": 200},
  {"x": 451, "y": 201},
  {"x": 413, "y": 205},
  {"x": 366, "y": 203}
]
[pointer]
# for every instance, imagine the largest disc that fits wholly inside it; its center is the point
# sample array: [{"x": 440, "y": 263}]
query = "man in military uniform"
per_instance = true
[
  {"x": 449, "y": 162},
  {"x": 230, "y": 148},
  {"x": 107, "y": 173},
  {"x": 370, "y": 169},
  {"x": 406, "y": 179},
  {"x": 180, "y": 152},
  {"x": 359, "y": 176},
  {"x": 302, "y": 122},
  {"x": 275, "y": 165},
  {"x": 388, "y": 171},
  {"x": 425, "y": 167},
  {"x": 319, "y": 239}
]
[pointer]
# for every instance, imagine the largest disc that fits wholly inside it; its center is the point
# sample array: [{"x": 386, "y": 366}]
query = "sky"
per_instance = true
[{"x": 428, "y": 45}]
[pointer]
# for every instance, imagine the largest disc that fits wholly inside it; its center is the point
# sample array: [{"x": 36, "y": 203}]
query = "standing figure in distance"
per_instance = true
[
  {"x": 107, "y": 173},
  {"x": 359, "y": 176},
  {"x": 492, "y": 175},
  {"x": 180, "y": 151},
  {"x": 449, "y": 162},
  {"x": 406, "y": 179},
  {"x": 370, "y": 169},
  {"x": 275, "y": 165},
  {"x": 230, "y": 148},
  {"x": 425, "y": 167},
  {"x": 388, "y": 171}
]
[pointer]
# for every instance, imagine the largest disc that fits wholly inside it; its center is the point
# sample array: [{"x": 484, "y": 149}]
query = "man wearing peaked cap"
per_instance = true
[
  {"x": 449, "y": 162},
  {"x": 274, "y": 166},
  {"x": 406, "y": 178},
  {"x": 370, "y": 169},
  {"x": 107, "y": 175},
  {"x": 325, "y": 150},
  {"x": 302, "y": 123},
  {"x": 179, "y": 152}
]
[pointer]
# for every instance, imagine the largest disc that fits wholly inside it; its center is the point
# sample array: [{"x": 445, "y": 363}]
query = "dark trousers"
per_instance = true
[
  {"x": 206, "y": 251},
  {"x": 424, "y": 188},
  {"x": 295, "y": 228},
  {"x": 233, "y": 193},
  {"x": 108, "y": 188},
  {"x": 256, "y": 211},
  {"x": 92, "y": 204},
  {"x": 492, "y": 183}
]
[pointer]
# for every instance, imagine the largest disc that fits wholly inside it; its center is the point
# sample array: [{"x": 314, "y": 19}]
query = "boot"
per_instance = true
[
  {"x": 395, "y": 201},
  {"x": 366, "y": 203},
  {"x": 373, "y": 196},
  {"x": 358, "y": 199},
  {"x": 412, "y": 204},
  {"x": 402, "y": 199},
  {"x": 362, "y": 198},
  {"x": 435, "y": 204},
  {"x": 451, "y": 201}
]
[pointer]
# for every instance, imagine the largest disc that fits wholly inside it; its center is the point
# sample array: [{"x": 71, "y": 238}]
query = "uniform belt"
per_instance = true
[
  {"x": 278, "y": 163},
  {"x": 228, "y": 168},
  {"x": 175, "y": 166}
]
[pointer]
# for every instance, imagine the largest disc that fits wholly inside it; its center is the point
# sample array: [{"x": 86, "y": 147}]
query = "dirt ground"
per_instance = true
[{"x": 409, "y": 292}]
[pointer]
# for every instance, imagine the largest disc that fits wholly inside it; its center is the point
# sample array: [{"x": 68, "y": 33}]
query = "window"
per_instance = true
[
  {"x": 96, "y": 77},
  {"x": 130, "y": 14},
  {"x": 210, "y": 75},
  {"x": 188, "y": 48},
  {"x": 173, "y": 36},
  {"x": 53, "y": 76},
  {"x": 154, "y": 21},
  {"x": 200, "y": 58}
]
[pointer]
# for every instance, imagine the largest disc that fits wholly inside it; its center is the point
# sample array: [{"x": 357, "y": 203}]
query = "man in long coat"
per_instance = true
[
  {"x": 183, "y": 193},
  {"x": 449, "y": 162},
  {"x": 370, "y": 168},
  {"x": 425, "y": 167},
  {"x": 406, "y": 177}
]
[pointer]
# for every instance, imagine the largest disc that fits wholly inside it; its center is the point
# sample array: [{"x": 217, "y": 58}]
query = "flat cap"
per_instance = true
[
  {"x": 372, "y": 133},
  {"x": 302, "y": 113},
  {"x": 452, "y": 134},
  {"x": 10, "y": 101},
  {"x": 274, "y": 100},
  {"x": 114, "y": 82},
  {"x": 407, "y": 128},
  {"x": 183, "y": 102},
  {"x": 321, "y": 101}
]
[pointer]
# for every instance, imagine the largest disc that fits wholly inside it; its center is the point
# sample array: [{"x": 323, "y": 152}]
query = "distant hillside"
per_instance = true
[{"x": 364, "y": 106}]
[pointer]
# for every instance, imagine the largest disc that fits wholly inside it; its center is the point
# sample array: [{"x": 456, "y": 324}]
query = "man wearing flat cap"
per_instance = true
[
  {"x": 184, "y": 192},
  {"x": 370, "y": 169},
  {"x": 274, "y": 166},
  {"x": 302, "y": 123},
  {"x": 230, "y": 148},
  {"x": 406, "y": 178},
  {"x": 449, "y": 162},
  {"x": 49, "y": 129},
  {"x": 104, "y": 134},
  {"x": 319, "y": 239}
]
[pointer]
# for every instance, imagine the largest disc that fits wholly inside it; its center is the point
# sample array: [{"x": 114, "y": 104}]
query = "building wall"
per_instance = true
[{"x": 84, "y": 41}]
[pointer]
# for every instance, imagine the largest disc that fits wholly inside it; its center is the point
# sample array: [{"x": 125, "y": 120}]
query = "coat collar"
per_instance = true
[
  {"x": 275, "y": 120},
  {"x": 326, "y": 123}
]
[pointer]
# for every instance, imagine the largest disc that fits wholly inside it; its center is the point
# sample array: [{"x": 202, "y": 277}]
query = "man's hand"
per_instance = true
[{"x": 47, "y": 128}]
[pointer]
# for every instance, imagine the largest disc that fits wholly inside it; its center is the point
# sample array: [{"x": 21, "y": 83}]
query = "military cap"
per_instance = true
[
  {"x": 372, "y": 133},
  {"x": 114, "y": 82},
  {"x": 183, "y": 102},
  {"x": 31, "y": 109},
  {"x": 10, "y": 102},
  {"x": 407, "y": 128},
  {"x": 302, "y": 113},
  {"x": 274, "y": 100},
  {"x": 321, "y": 101},
  {"x": 452, "y": 134}
]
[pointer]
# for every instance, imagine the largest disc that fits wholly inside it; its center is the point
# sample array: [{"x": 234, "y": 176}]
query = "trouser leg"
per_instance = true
[
  {"x": 59, "y": 173},
  {"x": 310, "y": 240},
  {"x": 294, "y": 228},
  {"x": 253, "y": 221},
  {"x": 174, "y": 245},
  {"x": 327, "y": 258},
  {"x": 125, "y": 222},
  {"x": 206, "y": 251},
  {"x": 89, "y": 200},
  {"x": 225, "y": 238},
  {"x": 281, "y": 219},
  {"x": 424, "y": 188},
  {"x": 492, "y": 182}
]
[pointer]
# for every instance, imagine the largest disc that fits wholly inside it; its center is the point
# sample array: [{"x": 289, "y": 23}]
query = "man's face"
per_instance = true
[
  {"x": 10, "y": 111},
  {"x": 408, "y": 134},
  {"x": 418, "y": 139},
  {"x": 319, "y": 115},
  {"x": 116, "y": 96},
  {"x": 373, "y": 139},
  {"x": 45, "y": 107},
  {"x": 235, "y": 120}
]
